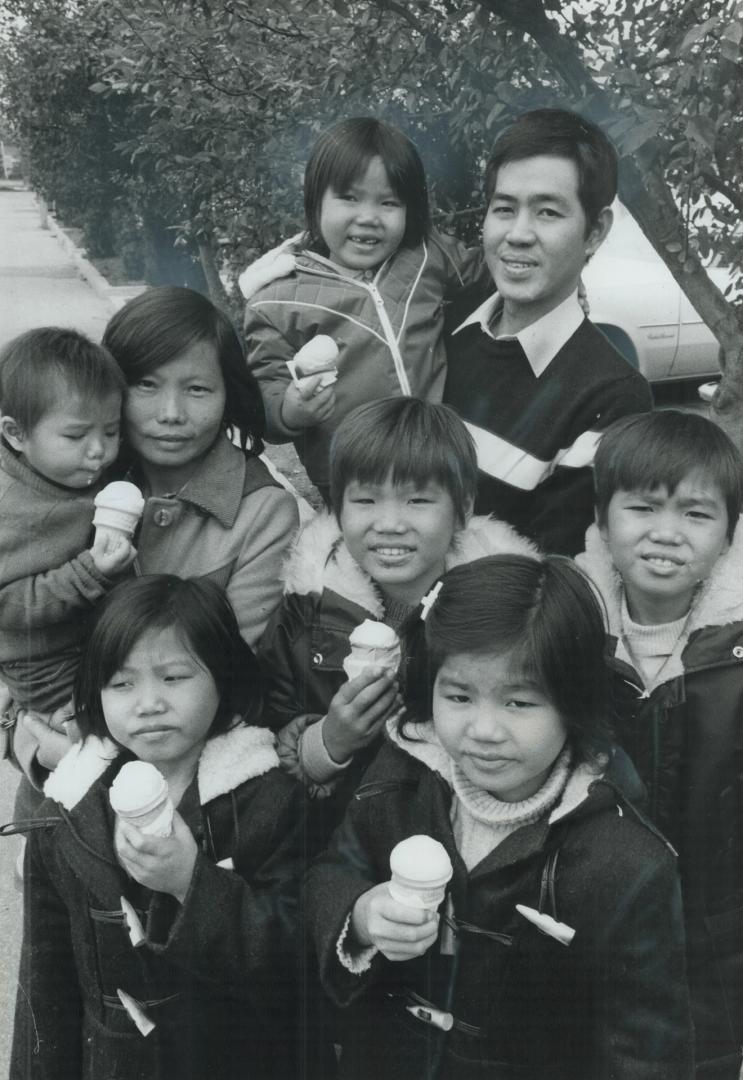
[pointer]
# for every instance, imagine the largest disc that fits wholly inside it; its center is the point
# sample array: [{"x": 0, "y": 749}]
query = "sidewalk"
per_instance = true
[{"x": 40, "y": 281}]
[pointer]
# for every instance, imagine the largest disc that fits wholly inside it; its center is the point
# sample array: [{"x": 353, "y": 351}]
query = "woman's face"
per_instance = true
[{"x": 173, "y": 415}]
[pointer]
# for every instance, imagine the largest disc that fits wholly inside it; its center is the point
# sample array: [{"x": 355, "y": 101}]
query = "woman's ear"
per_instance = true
[
  {"x": 12, "y": 432},
  {"x": 469, "y": 509}
]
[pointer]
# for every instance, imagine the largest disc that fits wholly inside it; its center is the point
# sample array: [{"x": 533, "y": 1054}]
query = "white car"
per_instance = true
[{"x": 636, "y": 302}]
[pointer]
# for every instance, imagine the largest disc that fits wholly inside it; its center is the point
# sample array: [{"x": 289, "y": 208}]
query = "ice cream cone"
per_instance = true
[
  {"x": 118, "y": 508},
  {"x": 139, "y": 796},
  {"x": 373, "y": 644},
  {"x": 421, "y": 870},
  {"x": 317, "y": 357}
]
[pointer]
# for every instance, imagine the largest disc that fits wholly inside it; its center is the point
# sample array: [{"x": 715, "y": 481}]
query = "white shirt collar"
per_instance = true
[{"x": 543, "y": 339}]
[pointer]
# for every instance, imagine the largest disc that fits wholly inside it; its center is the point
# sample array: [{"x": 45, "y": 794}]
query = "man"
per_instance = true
[{"x": 531, "y": 376}]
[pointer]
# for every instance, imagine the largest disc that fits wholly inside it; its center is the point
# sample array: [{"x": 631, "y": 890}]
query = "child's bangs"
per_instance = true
[
  {"x": 648, "y": 469},
  {"x": 405, "y": 461},
  {"x": 348, "y": 165}
]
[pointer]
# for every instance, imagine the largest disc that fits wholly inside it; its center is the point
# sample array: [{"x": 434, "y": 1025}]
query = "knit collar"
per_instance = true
[
  {"x": 489, "y": 810},
  {"x": 226, "y": 761},
  {"x": 421, "y": 742},
  {"x": 542, "y": 339},
  {"x": 216, "y": 486},
  {"x": 320, "y": 559}
]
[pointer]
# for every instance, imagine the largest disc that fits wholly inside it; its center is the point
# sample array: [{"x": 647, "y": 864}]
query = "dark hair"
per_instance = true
[
  {"x": 659, "y": 449},
  {"x": 416, "y": 441},
  {"x": 565, "y": 134},
  {"x": 342, "y": 154},
  {"x": 200, "y": 613},
  {"x": 161, "y": 323},
  {"x": 42, "y": 367},
  {"x": 542, "y": 611}
]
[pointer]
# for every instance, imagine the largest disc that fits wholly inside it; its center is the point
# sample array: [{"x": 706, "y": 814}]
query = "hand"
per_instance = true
[
  {"x": 112, "y": 552},
  {"x": 162, "y": 863},
  {"x": 357, "y": 713},
  {"x": 304, "y": 405},
  {"x": 50, "y": 734},
  {"x": 398, "y": 931}
]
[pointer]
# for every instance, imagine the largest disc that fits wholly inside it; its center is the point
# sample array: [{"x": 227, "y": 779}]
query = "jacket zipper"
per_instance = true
[
  {"x": 368, "y": 791},
  {"x": 389, "y": 333}
]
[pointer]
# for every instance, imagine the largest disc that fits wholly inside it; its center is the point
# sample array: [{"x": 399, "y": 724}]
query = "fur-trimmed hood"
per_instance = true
[
  {"x": 718, "y": 603},
  {"x": 320, "y": 560},
  {"x": 226, "y": 761}
]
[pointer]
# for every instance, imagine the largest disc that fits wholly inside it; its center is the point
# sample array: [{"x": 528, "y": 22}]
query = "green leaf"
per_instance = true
[
  {"x": 702, "y": 130},
  {"x": 697, "y": 33}
]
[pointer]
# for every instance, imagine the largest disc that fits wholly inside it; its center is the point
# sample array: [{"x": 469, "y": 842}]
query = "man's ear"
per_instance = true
[
  {"x": 12, "y": 432},
  {"x": 599, "y": 232}
]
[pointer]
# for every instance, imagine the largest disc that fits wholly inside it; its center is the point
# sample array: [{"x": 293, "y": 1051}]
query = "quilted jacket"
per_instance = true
[{"x": 387, "y": 323}]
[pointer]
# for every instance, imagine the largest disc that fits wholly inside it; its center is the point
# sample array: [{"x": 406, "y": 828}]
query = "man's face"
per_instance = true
[{"x": 535, "y": 237}]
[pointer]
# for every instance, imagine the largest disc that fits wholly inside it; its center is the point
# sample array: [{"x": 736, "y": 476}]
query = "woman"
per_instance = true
[{"x": 212, "y": 507}]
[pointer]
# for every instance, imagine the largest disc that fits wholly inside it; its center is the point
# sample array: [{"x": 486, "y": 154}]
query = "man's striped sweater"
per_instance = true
[{"x": 536, "y": 436}]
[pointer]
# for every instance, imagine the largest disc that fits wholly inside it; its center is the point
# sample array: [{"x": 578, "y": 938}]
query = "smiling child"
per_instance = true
[
  {"x": 666, "y": 554},
  {"x": 402, "y": 480}
]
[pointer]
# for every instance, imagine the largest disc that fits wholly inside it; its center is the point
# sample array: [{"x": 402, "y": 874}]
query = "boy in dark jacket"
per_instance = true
[{"x": 666, "y": 559}]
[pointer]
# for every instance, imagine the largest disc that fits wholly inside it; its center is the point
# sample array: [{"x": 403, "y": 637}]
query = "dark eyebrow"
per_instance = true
[
  {"x": 700, "y": 500},
  {"x": 549, "y": 196}
]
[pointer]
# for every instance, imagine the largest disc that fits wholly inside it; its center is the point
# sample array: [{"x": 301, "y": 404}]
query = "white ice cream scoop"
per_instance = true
[
  {"x": 139, "y": 795},
  {"x": 118, "y": 507},
  {"x": 421, "y": 869},
  {"x": 317, "y": 357},
  {"x": 373, "y": 644}
]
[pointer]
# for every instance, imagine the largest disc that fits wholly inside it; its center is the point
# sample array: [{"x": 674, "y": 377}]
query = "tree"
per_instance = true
[{"x": 211, "y": 108}]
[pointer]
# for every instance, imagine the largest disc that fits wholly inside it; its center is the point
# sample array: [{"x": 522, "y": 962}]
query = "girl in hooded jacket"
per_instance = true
[
  {"x": 557, "y": 953},
  {"x": 165, "y": 955},
  {"x": 370, "y": 273}
]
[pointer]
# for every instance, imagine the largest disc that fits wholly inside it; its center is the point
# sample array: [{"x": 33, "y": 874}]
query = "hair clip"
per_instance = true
[{"x": 429, "y": 600}]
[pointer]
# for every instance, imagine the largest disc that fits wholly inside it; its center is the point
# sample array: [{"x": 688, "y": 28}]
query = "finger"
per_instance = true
[
  {"x": 396, "y": 914},
  {"x": 398, "y": 952},
  {"x": 307, "y": 385},
  {"x": 396, "y": 934},
  {"x": 351, "y": 689},
  {"x": 139, "y": 843},
  {"x": 374, "y": 679},
  {"x": 375, "y": 700},
  {"x": 32, "y": 722}
]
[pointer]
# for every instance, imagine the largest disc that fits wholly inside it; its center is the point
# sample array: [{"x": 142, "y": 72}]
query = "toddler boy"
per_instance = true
[
  {"x": 60, "y": 406},
  {"x": 668, "y": 562}
]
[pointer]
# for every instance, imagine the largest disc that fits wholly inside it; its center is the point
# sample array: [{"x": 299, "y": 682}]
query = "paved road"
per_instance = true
[{"x": 39, "y": 283}]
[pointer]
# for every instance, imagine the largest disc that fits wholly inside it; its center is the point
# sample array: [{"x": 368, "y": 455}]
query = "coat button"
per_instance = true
[
  {"x": 163, "y": 518},
  {"x": 738, "y": 652},
  {"x": 317, "y": 658}
]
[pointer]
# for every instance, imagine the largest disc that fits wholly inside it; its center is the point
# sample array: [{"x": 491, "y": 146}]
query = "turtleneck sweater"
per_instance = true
[
  {"x": 648, "y": 648},
  {"x": 481, "y": 822}
]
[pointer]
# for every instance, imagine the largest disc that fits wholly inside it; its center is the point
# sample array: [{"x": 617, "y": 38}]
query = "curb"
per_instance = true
[{"x": 114, "y": 295}]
